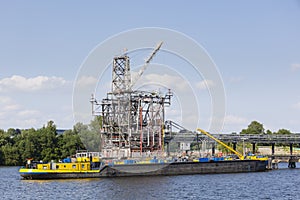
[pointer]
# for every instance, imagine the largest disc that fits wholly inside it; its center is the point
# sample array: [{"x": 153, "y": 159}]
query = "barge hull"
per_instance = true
[{"x": 157, "y": 169}]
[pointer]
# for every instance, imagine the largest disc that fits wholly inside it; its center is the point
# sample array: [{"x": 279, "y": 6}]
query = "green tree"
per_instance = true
[
  {"x": 2, "y": 143},
  {"x": 48, "y": 142},
  {"x": 31, "y": 144},
  {"x": 2, "y": 158},
  {"x": 254, "y": 128},
  {"x": 269, "y": 132},
  {"x": 11, "y": 155},
  {"x": 13, "y": 132},
  {"x": 44, "y": 144},
  {"x": 4, "y": 138},
  {"x": 283, "y": 132},
  {"x": 90, "y": 134},
  {"x": 68, "y": 143}
]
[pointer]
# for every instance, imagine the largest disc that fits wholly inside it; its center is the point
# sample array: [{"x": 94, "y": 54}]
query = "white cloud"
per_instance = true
[
  {"x": 295, "y": 66},
  {"x": 20, "y": 83},
  {"x": 31, "y": 102},
  {"x": 86, "y": 81},
  {"x": 27, "y": 113},
  {"x": 296, "y": 105},
  {"x": 28, "y": 123},
  {"x": 173, "y": 82},
  {"x": 232, "y": 119},
  {"x": 174, "y": 114},
  {"x": 11, "y": 107},
  {"x": 295, "y": 122},
  {"x": 234, "y": 123},
  {"x": 17, "y": 116},
  {"x": 23, "y": 118},
  {"x": 205, "y": 84},
  {"x": 7, "y": 105},
  {"x": 236, "y": 79},
  {"x": 4, "y": 100}
]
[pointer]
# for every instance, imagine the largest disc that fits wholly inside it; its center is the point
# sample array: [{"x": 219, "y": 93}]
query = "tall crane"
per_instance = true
[{"x": 144, "y": 67}]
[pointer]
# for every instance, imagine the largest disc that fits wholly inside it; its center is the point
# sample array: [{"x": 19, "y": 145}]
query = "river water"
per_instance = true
[{"x": 277, "y": 184}]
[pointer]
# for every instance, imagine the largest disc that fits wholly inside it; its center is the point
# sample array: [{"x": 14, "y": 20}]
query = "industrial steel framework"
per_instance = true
[{"x": 132, "y": 120}]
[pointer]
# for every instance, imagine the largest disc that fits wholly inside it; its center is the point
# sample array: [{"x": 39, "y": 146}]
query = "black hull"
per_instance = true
[{"x": 164, "y": 169}]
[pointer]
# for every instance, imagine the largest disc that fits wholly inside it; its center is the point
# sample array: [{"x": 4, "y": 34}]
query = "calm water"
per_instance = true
[{"x": 276, "y": 184}]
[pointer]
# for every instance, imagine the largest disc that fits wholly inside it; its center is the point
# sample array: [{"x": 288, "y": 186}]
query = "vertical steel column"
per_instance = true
[
  {"x": 253, "y": 148},
  {"x": 213, "y": 149},
  {"x": 141, "y": 127},
  {"x": 273, "y": 149},
  {"x": 273, "y": 152},
  {"x": 234, "y": 146}
]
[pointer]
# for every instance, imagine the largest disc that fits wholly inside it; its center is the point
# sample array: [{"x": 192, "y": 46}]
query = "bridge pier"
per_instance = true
[
  {"x": 273, "y": 160},
  {"x": 292, "y": 160},
  {"x": 273, "y": 150},
  {"x": 274, "y": 163},
  {"x": 253, "y": 148},
  {"x": 292, "y": 163}
]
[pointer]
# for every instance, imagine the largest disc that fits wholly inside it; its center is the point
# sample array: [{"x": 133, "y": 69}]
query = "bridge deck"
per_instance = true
[{"x": 261, "y": 138}]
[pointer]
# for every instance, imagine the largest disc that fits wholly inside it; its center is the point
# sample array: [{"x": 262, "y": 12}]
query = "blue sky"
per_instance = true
[{"x": 255, "y": 45}]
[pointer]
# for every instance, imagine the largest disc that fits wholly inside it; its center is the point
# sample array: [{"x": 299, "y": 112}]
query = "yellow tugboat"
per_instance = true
[{"x": 83, "y": 165}]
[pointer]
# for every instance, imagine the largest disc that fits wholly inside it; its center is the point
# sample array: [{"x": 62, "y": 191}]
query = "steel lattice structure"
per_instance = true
[{"x": 132, "y": 121}]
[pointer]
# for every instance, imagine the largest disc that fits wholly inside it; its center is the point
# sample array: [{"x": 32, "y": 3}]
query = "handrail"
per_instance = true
[{"x": 241, "y": 157}]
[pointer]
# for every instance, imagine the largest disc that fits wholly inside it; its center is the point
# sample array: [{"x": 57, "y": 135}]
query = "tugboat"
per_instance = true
[{"x": 82, "y": 165}]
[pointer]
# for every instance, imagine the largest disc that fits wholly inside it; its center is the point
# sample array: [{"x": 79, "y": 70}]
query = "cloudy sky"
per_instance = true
[{"x": 255, "y": 46}]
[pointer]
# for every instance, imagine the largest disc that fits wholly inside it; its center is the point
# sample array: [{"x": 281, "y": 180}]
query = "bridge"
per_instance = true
[
  {"x": 185, "y": 136},
  {"x": 265, "y": 139},
  {"x": 235, "y": 138}
]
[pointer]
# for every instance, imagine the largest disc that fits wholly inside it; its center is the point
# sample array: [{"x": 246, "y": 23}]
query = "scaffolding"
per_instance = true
[{"x": 132, "y": 121}]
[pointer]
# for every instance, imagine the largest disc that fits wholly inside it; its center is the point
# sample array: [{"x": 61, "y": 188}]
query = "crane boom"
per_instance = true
[
  {"x": 241, "y": 157},
  {"x": 144, "y": 67}
]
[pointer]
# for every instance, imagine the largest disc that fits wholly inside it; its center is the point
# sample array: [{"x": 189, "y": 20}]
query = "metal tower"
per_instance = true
[{"x": 132, "y": 121}]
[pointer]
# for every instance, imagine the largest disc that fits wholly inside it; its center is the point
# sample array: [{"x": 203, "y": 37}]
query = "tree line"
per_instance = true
[
  {"x": 45, "y": 144},
  {"x": 255, "y": 128},
  {"x": 258, "y": 128},
  {"x": 16, "y": 146}
]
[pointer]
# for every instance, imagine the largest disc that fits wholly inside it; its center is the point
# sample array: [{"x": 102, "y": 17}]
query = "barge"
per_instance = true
[
  {"x": 151, "y": 169},
  {"x": 90, "y": 165},
  {"x": 98, "y": 169}
]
